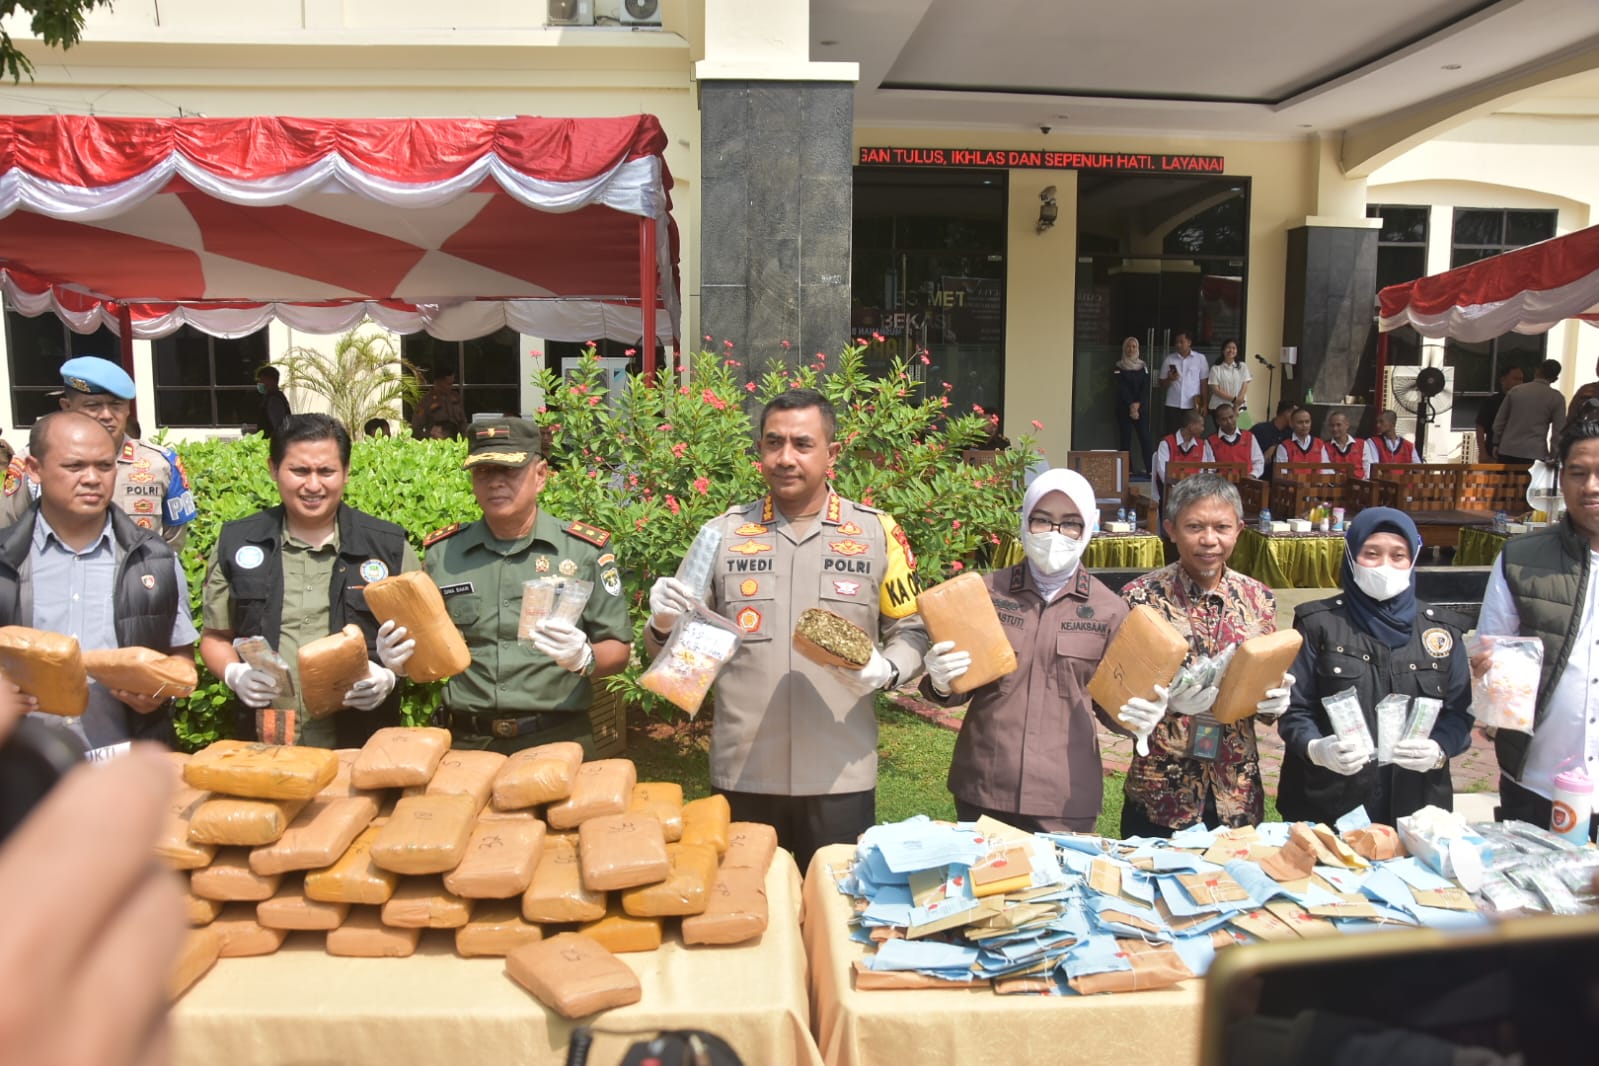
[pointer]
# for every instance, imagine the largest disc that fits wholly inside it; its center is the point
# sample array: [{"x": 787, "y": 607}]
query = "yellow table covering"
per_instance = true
[
  {"x": 962, "y": 1026},
  {"x": 1289, "y": 560},
  {"x": 302, "y": 1006},
  {"x": 1107, "y": 551},
  {"x": 1479, "y": 547}
]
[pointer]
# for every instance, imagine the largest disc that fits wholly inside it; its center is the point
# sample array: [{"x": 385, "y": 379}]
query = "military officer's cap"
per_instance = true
[
  {"x": 504, "y": 442},
  {"x": 90, "y": 374}
]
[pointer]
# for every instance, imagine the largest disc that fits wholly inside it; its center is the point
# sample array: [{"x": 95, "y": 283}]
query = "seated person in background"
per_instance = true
[
  {"x": 1028, "y": 752},
  {"x": 1378, "y": 639},
  {"x": 1186, "y": 445},
  {"x": 1270, "y": 434},
  {"x": 1300, "y": 446},
  {"x": 1229, "y": 444},
  {"x": 1345, "y": 452},
  {"x": 1388, "y": 446}
]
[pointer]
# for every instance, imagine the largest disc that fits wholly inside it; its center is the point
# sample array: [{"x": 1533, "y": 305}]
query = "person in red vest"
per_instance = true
[
  {"x": 1301, "y": 446},
  {"x": 1344, "y": 450},
  {"x": 1388, "y": 446},
  {"x": 1233, "y": 445},
  {"x": 1186, "y": 445}
]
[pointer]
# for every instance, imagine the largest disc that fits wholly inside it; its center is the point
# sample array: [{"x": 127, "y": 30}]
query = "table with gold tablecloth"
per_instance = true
[
  {"x": 305, "y": 1006},
  {"x": 1289, "y": 560},
  {"x": 1107, "y": 551},
  {"x": 1478, "y": 546},
  {"x": 959, "y": 1026}
]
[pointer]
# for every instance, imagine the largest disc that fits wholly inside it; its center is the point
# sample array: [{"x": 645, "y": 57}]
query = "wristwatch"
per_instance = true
[
  {"x": 893, "y": 679},
  {"x": 1443, "y": 760}
]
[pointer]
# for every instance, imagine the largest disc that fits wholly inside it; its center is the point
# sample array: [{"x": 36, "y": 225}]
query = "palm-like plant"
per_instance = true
[{"x": 364, "y": 378}]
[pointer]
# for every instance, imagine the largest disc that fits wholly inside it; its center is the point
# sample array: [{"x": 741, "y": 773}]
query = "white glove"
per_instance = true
[
  {"x": 1276, "y": 701},
  {"x": 944, "y": 664},
  {"x": 1417, "y": 755},
  {"x": 669, "y": 598},
  {"x": 255, "y": 688},
  {"x": 1340, "y": 756},
  {"x": 370, "y": 692},
  {"x": 1187, "y": 698},
  {"x": 1142, "y": 716},
  {"x": 877, "y": 672},
  {"x": 565, "y": 643},
  {"x": 395, "y": 647}
]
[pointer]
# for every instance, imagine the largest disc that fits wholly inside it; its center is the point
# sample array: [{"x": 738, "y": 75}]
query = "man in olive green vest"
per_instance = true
[{"x": 1546, "y": 584}]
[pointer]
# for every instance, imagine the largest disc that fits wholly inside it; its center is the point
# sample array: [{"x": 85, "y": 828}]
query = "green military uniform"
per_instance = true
[{"x": 481, "y": 578}]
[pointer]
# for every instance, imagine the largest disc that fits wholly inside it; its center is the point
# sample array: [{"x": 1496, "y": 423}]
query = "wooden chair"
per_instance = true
[
  {"x": 1495, "y": 487},
  {"x": 1300, "y": 486},
  {"x": 1434, "y": 496},
  {"x": 1252, "y": 490},
  {"x": 1109, "y": 472}
]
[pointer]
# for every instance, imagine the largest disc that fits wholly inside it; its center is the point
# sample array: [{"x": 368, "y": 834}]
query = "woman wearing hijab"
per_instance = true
[
  {"x": 1132, "y": 403},
  {"x": 1378, "y": 639},
  {"x": 1028, "y": 751}
]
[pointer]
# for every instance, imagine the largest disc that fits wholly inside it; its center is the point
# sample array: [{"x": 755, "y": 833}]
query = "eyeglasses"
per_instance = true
[{"x": 1071, "y": 527}]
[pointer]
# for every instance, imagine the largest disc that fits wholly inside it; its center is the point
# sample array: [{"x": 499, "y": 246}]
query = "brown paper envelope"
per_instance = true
[
  {"x": 1217, "y": 887},
  {"x": 1264, "y": 925},
  {"x": 927, "y": 886},
  {"x": 1342, "y": 852},
  {"x": 1105, "y": 877},
  {"x": 1348, "y": 906},
  {"x": 1454, "y": 899},
  {"x": 1301, "y": 921}
]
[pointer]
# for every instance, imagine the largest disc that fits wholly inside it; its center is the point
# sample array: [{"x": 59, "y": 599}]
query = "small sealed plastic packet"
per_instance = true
[
  {"x": 1423, "y": 716},
  {"x": 1348, "y": 720},
  {"x": 1391, "y": 712},
  {"x": 695, "y": 569},
  {"x": 1504, "y": 697},
  {"x": 701, "y": 643}
]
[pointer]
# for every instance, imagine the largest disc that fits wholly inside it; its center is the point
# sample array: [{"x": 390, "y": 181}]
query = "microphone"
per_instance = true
[{"x": 1261, "y": 359}]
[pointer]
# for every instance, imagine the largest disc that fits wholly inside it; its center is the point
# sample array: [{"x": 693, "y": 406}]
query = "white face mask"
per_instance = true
[
  {"x": 1052, "y": 552},
  {"x": 1381, "y": 582}
]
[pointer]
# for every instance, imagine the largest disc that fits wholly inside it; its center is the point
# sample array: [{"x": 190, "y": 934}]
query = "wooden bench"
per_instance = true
[
  {"x": 1251, "y": 489},
  {"x": 1110, "y": 474},
  {"x": 1300, "y": 486},
  {"x": 1442, "y": 498}
]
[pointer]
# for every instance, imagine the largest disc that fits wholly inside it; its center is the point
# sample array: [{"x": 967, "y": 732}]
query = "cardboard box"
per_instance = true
[
  {"x": 960, "y": 610},
  {"x": 1258, "y": 665},
  {"x": 1146, "y": 651}
]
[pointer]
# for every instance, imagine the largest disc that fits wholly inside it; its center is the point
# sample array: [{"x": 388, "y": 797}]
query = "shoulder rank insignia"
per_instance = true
[
  {"x": 439, "y": 534},
  {"x": 129, "y": 450},
  {"x": 593, "y": 534}
]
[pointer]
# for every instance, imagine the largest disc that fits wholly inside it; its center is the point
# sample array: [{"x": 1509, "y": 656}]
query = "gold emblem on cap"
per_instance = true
[
  {"x": 78, "y": 383},
  {"x": 490, "y": 432}
]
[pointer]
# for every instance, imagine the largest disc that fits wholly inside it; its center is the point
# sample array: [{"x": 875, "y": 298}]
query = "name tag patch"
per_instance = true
[{"x": 460, "y": 588}]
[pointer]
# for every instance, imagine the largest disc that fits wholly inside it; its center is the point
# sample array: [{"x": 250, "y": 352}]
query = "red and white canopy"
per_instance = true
[
  {"x": 558, "y": 228},
  {"x": 1528, "y": 290}
]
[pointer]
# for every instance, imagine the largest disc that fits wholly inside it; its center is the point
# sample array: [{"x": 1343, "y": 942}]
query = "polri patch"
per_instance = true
[
  {"x": 248, "y": 557},
  {"x": 749, "y": 620},
  {"x": 374, "y": 570},
  {"x": 1438, "y": 642},
  {"x": 848, "y": 547},
  {"x": 847, "y": 588}
]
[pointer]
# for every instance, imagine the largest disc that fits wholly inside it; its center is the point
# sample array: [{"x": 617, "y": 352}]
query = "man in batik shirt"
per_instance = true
[{"x": 1197, "y": 769}]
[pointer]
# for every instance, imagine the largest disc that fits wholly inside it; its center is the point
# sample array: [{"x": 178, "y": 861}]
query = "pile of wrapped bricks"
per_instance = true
[{"x": 550, "y": 861}]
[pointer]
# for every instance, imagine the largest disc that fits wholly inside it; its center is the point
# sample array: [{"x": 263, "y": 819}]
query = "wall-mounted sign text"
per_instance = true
[{"x": 1043, "y": 159}]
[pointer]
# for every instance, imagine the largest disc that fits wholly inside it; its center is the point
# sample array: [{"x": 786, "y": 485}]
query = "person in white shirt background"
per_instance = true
[
  {"x": 1227, "y": 382},
  {"x": 1183, "y": 374},
  {"x": 1546, "y": 584}
]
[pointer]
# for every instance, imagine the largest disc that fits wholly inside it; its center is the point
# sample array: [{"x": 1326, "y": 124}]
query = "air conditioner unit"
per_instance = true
[
  {"x": 569, "y": 12},
  {"x": 1399, "y": 395},
  {"x": 640, "y": 13}
]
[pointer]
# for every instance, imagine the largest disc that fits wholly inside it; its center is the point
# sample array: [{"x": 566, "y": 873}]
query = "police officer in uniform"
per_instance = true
[
  {"x": 151, "y": 487},
  {"x": 794, "y": 744},
  {"x": 517, "y": 695},
  {"x": 297, "y": 572}
]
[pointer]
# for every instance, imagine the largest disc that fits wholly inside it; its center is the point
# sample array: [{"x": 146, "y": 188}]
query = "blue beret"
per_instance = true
[{"x": 90, "y": 373}]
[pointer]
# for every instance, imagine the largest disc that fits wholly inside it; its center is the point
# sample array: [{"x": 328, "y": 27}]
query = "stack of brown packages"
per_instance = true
[{"x": 373, "y": 846}]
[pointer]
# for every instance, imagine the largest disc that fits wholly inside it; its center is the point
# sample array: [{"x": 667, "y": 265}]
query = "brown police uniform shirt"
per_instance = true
[
  {"x": 151, "y": 488},
  {"x": 784, "y": 725},
  {"x": 1028, "y": 744}
]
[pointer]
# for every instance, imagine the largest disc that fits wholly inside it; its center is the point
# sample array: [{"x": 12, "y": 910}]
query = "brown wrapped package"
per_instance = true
[
  {"x": 830, "y": 640},
  {"x": 1153, "y": 966},
  {"x": 497, "y": 928},
  {"x": 425, "y": 834},
  {"x": 290, "y": 910},
  {"x": 200, "y": 911},
  {"x": 557, "y": 893},
  {"x": 143, "y": 670},
  {"x": 354, "y": 878},
  {"x": 1258, "y": 664},
  {"x": 464, "y": 772},
  {"x": 173, "y": 844},
  {"x": 341, "y": 785},
  {"x": 499, "y": 861},
  {"x": 620, "y": 933},
  {"x": 1146, "y": 651},
  {"x": 537, "y": 775},
  {"x": 234, "y": 822},
  {"x": 1375, "y": 842},
  {"x": 412, "y": 600},
  {"x": 261, "y": 771},
  {"x": 602, "y": 787},
  {"x": 685, "y": 890},
  {"x": 318, "y": 836},
  {"x": 201, "y": 949},
  {"x": 735, "y": 909},
  {"x": 243, "y": 936},
  {"x": 662, "y": 800},
  {"x": 364, "y": 936},
  {"x": 400, "y": 756},
  {"x": 229, "y": 879},
  {"x": 705, "y": 821},
  {"x": 328, "y": 667},
  {"x": 422, "y": 903},
  {"x": 960, "y": 610},
  {"x": 619, "y": 851},
  {"x": 1295, "y": 859},
  {"x": 573, "y": 976},
  {"x": 750, "y": 844},
  {"x": 46, "y": 666}
]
